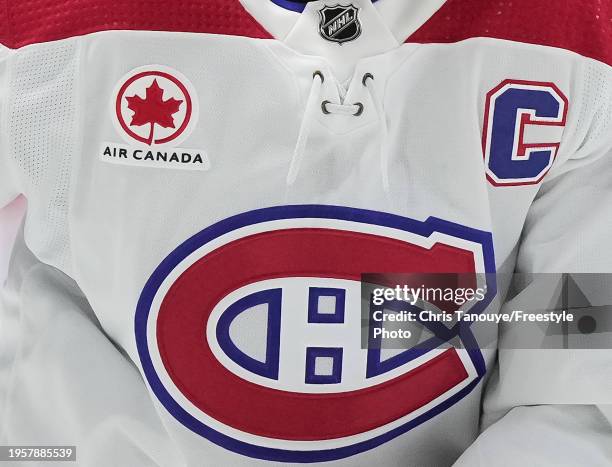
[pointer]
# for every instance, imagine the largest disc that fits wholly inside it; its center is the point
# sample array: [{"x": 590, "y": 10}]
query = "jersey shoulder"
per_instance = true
[
  {"x": 581, "y": 26},
  {"x": 28, "y": 22}
]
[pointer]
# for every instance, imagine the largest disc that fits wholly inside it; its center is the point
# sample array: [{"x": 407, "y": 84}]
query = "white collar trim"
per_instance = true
[{"x": 403, "y": 17}]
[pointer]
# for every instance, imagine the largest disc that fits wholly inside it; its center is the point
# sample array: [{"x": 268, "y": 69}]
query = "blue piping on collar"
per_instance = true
[{"x": 295, "y": 6}]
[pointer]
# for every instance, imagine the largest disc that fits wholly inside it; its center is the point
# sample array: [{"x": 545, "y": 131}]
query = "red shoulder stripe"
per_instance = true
[
  {"x": 26, "y": 22},
  {"x": 582, "y": 26}
]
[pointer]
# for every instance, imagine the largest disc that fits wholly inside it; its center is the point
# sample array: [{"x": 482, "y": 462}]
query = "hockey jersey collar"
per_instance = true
[
  {"x": 402, "y": 17},
  {"x": 575, "y": 25}
]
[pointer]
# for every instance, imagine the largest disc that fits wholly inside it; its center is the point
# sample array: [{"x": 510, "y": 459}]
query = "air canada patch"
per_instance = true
[
  {"x": 154, "y": 109},
  {"x": 230, "y": 332},
  {"x": 339, "y": 23}
]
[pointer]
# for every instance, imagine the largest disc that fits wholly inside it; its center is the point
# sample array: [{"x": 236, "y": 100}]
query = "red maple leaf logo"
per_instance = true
[{"x": 153, "y": 109}]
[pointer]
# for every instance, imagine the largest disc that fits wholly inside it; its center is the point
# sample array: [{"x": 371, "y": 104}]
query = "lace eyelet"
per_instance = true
[
  {"x": 319, "y": 74},
  {"x": 359, "y": 110},
  {"x": 324, "y": 107},
  {"x": 366, "y": 77}
]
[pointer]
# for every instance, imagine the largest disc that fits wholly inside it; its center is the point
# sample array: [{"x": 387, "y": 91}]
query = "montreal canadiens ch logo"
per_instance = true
[
  {"x": 155, "y": 105},
  {"x": 249, "y": 332}
]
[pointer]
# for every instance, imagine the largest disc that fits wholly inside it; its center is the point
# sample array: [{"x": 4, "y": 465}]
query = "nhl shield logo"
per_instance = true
[{"x": 340, "y": 23}]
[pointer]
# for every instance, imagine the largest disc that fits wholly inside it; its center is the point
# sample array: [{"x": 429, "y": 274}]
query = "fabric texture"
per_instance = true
[{"x": 163, "y": 311}]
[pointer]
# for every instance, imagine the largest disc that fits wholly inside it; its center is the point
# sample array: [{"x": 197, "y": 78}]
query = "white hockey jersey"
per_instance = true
[{"x": 206, "y": 181}]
